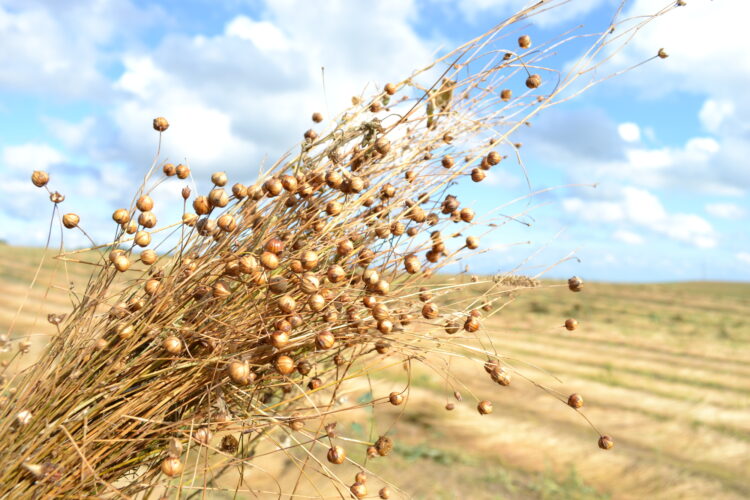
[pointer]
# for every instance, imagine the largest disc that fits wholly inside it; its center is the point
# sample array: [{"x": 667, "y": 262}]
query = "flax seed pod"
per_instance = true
[
  {"x": 56, "y": 197},
  {"x": 575, "y": 284},
  {"x": 325, "y": 340},
  {"x": 148, "y": 257},
  {"x": 506, "y": 94},
  {"x": 189, "y": 219},
  {"x": 471, "y": 325},
  {"x": 284, "y": 365},
  {"x": 334, "y": 208},
  {"x": 142, "y": 238},
  {"x": 396, "y": 398},
  {"x": 70, "y": 220},
  {"x": 160, "y": 125},
  {"x": 344, "y": 247},
  {"x": 309, "y": 283},
  {"x": 389, "y": 88},
  {"x": 384, "y": 445},
  {"x": 410, "y": 175},
  {"x": 375, "y": 107},
  {"x": 171, "y": 466},
  {"x": 304, "y": 367},
  {"x": 289, "y": 183},
  {"x": 182, "y": 171},
  {"x": 121, "y": 263},
  {"x": 430, "y": 310},
  {"x": 336, "y": 274},
  {"x": 287, "y": 304},
  {"x": 147, "y": 219},
  {"x": 384, "y": 493},
  {"x": 472, "y": 242},
  {"x": 219, "y": 178},
  {"x": 575, "y": 401},
  {"x": 239, "y": 372},
  {"x": 310, "y": 135},
  {"x": 447, "y": 161},
  {"x": 500, "y": 376},
  {"x": 478, "y": 175},
  {"x": 220, "y": 289},
  {"x": 217, "y": 197},
  {"x": 451, "y": 327},
  {"x": 272, "y": 187},
  {"x": 316, "y": 302},
  {"x": 533, "y": 81},
  {"x": 309, "y": 259},
  {"x": 239, "y": 191},
  {"x": 185, "y": 193},
  {"x": 397, "y": 228},
  {"x": 201, "y": 205},
  {"x": 382, "y": 146},
  {"x": 493, "y": 158},
  {"x": 124, "y": 331},
  {"x": 227, "y": 223},
  {"x": 359, "y": 490},
  {"x": 279, "y": 339},
  {"x": 524, "y": 41},
  {"x": 484, "y": 407},
  {"x": 121, "y": 216},
  {"x": 571, "y": 324},
  {"x": 145, "y": 203},
  {"x": 336, "y": 455},
  {"x": 317, "y": 117},
  {"x": 606, "y": 442},
  {"x": 39, "y": 178},
  {"x": 172, "y": 345},
  {"x": 269, "y": 260},
  {"x": 169, "y": 169},
  {"x": 412, "y": 264}
]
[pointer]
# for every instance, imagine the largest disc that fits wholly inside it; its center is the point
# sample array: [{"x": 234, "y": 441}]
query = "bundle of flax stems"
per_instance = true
[{"x": 239, "y": 340}]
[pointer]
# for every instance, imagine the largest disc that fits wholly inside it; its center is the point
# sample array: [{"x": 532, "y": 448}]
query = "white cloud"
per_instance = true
[
  {"x": 59, "y": 48},
  {"x": 262, "y": 34},
  {"x": 473, "y": 9},
  {"x": 743, "y": 257},
  {"x": 644, "y": 210},
  {"x": 30, "y": 156},
  {"x": 629, "y": 132},
  {"x": 628, "y": 237},
  {"x": 714, "y": 112},
  {"x": 726, "y": 210}
]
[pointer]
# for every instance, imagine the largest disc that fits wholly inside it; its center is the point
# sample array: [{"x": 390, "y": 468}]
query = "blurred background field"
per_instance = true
[{"x": 663, "y": 368}]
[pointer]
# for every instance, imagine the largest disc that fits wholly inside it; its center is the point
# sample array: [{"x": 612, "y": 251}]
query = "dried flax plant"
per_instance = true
[{"x": 174, "y": 371}]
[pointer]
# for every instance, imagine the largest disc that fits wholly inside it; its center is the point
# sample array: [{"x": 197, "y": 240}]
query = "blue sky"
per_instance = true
[{"x": 666, "y": 144}]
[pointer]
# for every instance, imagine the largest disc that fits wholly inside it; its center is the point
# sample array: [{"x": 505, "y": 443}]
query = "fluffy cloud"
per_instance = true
[
  {"x": 236, "y": 99},
  {"x": 43, "y": 54},
  {"x": 472, "y": 9},
  {"x": 726, "y": 210},
  {"x": 642, "y": 209},
  {"x": 628, "y": 237},
  {"x": 629, "y": 132}
]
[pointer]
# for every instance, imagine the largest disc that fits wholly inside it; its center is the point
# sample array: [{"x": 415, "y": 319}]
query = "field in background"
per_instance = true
[{"x": 664, "y": 369}]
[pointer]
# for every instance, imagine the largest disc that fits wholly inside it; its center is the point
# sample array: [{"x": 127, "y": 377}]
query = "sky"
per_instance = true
[{"x": 665, "y": 144}]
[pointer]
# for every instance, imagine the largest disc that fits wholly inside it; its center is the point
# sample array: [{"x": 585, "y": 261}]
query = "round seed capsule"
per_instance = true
[
  {"x": 571, "y": 324},
  {"x": 171, "y": 466},
  {"x": 172, "y": 345},
  {"x": 70, "y": 220},
  {"x": 336, "y": 455},
  {"x": 396, "y": 398},
  {"x": 484, "y": 407},
  {"x": 575, "y": 401},
  {"x": 606, "y": 442}
]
